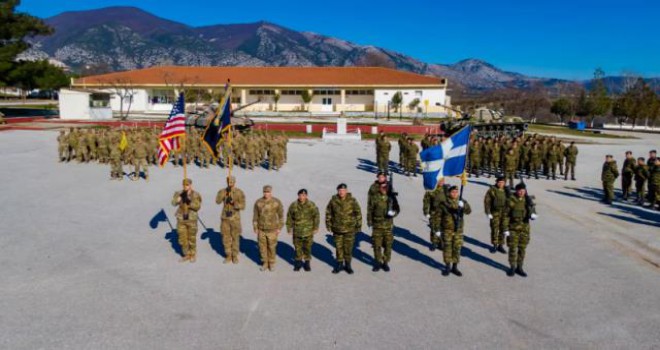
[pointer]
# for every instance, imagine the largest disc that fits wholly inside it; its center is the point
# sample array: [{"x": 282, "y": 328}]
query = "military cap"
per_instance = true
[
  {"x": 231, "y": 179},
  {"x": 302, "y": 191},
  {"x": 268, "y": 188},
  {"x": 342, "y": 186},
  {"x": 653, "y": 151},
  {"x": 453, "y": 188},
  {"x": 521, "y": 186},
  {"x": 187, "y": 182},
  {"x": 381, "y": 172},
  {"x": 500, "y": 178}
]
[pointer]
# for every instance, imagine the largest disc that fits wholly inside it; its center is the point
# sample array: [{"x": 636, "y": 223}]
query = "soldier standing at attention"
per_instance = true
[
  {"x": 627, "y": 173},
  {"x": 140, "y": 152},
  {"x": 403, "y": 145},
  {"x": 452, "y": 230},
  {"x": 654, "y": 181},
  {"x": 188, "y": 203},
  {"x": 475, "y": 157},
  {"x": 641, "y": 176},
  {"x": 343, "y": 217},
  {"x": 520, "y": 209},
  {"x": 608, "y": 176},
  {"x": 494, "y": 205},
  {"x": 651, "y": 165},
  {"x": 383, "y": 148},
  {"x": 412, "y": 150},
  {"x": 432, "y": 206},
  {"x": 570, "y": 153},
  {"x": 267, "y": 221},
  {"x": 116, "y": 168},
  {"x": 302, "y": 221},
  {"x": 232, "y": 200},
  {"x": 510, "y": 162},
  {"x": 62, "y": 146},
  {"x": 382, "y": 223}
]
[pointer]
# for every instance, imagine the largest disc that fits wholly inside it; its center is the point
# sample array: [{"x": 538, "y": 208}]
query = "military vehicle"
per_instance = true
[
  {"x": 200, "y": 118},
  {"x": 485, "y": 122}
]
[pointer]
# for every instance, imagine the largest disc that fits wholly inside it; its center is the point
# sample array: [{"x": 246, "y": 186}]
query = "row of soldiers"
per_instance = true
[
  {"x": 139, "y": 147},
  {"x": 641, "y": 171},
  {"x": 515, "y": 157},
  {"x": 343, "y": 218}
]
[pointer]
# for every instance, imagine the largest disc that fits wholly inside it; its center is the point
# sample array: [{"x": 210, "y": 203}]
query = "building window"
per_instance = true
[
  {"x": 326, "y": 92},
  {"x": 162, "y": 96},
  {"x": 360, "y": 92},
  {"x": 418, "y": 93},
  {"x": 291, "y": 92},
  {"x": 262, "y": 92},
  {"x": 236, "y": 99}
]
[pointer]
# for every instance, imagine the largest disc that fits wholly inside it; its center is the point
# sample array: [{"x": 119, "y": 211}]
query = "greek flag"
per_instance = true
[{"x": 445, "y": 159}]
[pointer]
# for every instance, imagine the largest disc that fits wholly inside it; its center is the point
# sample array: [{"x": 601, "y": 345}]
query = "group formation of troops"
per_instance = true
[
  {"x": 140, "y": 149},
  {"x": 642, "y": 172},
  {"x": 515, "y": 157},
  {"x": 510, "y": 214}
]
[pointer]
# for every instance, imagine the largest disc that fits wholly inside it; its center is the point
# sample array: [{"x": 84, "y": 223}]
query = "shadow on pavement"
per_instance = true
[
  {"x": 322, "y": 253},
  {"x": 401, "y": 248},
  {"x": 285, "y": 252},
  {"x": 371, "y": 166},
  {"x": 357, "y": 253},
  {"x": 215, "y": 241},
  {"x": 173, "y": 238},
  {"x": 468, "y": 253},
  {"x": 476, "y": 242},
  {"x": 250, "y": 248}
]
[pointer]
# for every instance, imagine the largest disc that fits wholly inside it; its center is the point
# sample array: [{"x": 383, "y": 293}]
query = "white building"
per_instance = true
[
  {"x": 84, "y": 104},
  {"x": 270, "y": 89}
]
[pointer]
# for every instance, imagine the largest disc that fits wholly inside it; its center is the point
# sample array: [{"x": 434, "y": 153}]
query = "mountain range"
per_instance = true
[{"x": 122, "y": 38}]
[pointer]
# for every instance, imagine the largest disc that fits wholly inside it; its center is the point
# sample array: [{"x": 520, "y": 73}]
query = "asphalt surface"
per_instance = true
[{"x": 87, "y": 265}]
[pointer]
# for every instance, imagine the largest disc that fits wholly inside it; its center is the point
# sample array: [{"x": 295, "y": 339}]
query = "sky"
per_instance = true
[{"x": 557, "y": 39}]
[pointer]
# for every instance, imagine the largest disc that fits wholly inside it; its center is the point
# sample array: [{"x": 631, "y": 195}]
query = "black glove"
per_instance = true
[{"x": 184, "y": 197}]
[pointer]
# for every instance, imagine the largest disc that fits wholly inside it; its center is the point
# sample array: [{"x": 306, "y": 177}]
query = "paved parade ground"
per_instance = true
[{"x": 87, "y": 264}]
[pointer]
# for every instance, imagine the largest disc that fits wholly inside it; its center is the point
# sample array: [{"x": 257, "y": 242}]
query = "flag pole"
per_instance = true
[
  {"x": 185, "y": 160},
  {"x": 467, "y": 158},
  {"x": 230, "y": 135}
]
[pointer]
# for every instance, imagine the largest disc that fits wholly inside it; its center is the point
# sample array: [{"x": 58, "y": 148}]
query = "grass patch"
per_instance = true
[
  {"x": 28, "y": 106},
  {"x": 563, "y": 130}
]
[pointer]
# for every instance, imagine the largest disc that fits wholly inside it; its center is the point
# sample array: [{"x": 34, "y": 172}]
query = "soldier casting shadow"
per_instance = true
[
  {"x": 470, "y": 254},
  {"x": 172, "y": 236},
  {"x": 595, "y": 194},
  {"x": 250, "y": 249},
  {"x": 215, "y": 241},
  {"x": 648, "y": 218},
  {"x": 371, "y": 167},
  {"x": 403, "y": 249}
]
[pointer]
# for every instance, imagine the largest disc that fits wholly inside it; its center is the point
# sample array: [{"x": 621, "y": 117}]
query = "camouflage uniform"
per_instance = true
[
  {"x": 232, "y": 200},
  {"x": 432, "y": 207},
  {"x": 140, "y": 160},
  {"x": 518, "y": 212},
  {"x": 302, "y": 220},
  {"x": 343, "y": 217},
  {"x": 382, "y": 152},
  {"x": 627, "y": 173},
  {"x": 382, "y": 225},
  {"x": 494, "y": 205},
  {"x": 654, "y": 185},
  {"x": 510, "y": 162},
  {"x": 411, "y": 157},
  {"x": 608, "y": 176},
  {"x": 570, "y": 153},
  {"x": 641, "y": 176},
  {"x": 116, "y": 169},
  {"x": 268, "y": 220},
  {"x": 452, "y": 229},
  {"x": 62, "y": 146},
  {"x": 553, "y": 160},
  {"x": 475, "y": 158},
  {"x": 186, "y": 222}
]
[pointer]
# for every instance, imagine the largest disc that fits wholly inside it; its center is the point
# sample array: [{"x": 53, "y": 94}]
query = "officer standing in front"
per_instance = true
[
  {"x": 520, "y": 209},
  {"x": 382, "y": 222},
  {"x": 302, "y": 221},
  {"x": 452, "y": 230},
  {"x": 494, "y": 205},
  {"x": 267, "y": 221},
  {"x": 343, "y": 217},
  {"x": 188, "y": 203},
  {"x": 232, "y": 200}
]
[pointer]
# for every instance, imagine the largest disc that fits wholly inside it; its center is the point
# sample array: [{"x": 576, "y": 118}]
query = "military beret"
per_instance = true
[
  {"x": 302, "y": 191},
  {"x": 342, "y": 186},
  {"x": 381, "y": 172},
  {"x": 187, "y": 182},
  {"x": 653, "y": 151},
  {"x": 453, "y": 188},
  {"x": 500, "y": 178},
  {"x": 521, "y": 186},
  {"x": 268, "y": 188}
]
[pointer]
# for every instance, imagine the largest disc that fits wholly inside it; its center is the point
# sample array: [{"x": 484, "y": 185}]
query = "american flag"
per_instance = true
[{"x": 175, "y": 127}]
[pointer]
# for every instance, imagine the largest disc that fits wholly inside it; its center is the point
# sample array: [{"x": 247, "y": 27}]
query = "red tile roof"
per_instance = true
[{"x": 262, "y": 76}]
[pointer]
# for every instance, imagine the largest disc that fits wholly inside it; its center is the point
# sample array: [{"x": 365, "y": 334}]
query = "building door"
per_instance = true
[{"x": 326, "y": 104}]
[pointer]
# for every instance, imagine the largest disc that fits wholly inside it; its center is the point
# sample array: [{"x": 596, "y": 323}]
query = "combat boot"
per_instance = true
[
  {"x": 433, "y": 247},
  {"x": 455, "y": 271},
  {"x": 493, "y": 249},
  {"x": 445, "y": 272},
  {"x": 338, "y": 268},
  {"x": 376, "y": 267},
  {"x": 306, "y": 266},
  {"x": 386, "y": 267},
  {"x": 500, "y": 248},
  {"x": 297, "y": 265},
  {"x": 227, "y": 260},
  {"x": 511, "y": 271},
  {"x": 348, "y": 268},
  {"x": 521, "y": 272}
]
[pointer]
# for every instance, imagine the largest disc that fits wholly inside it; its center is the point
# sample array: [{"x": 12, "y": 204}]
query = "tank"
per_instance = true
[
  {"x": 487, "y": 123},
  {"x": 199, "y": 119}
]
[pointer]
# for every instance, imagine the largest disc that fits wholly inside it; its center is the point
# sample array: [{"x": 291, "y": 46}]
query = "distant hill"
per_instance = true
[{"x": 122, "y": 38}]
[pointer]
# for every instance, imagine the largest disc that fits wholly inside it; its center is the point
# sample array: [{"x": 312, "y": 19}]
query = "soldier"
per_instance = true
[
  {"x": 494, "y": 157},
  {"x": 432, "y": 207},
  {"x": 140, "y": 152},
  {"x": 570, "y": 153},
  {"x": 302, "y": 221},
  {"x": 494, "y": 205},
  {"x": 62, "y": 146},
  {"x": 403, "y": 145},
  {"x": 608, "y": 176},
  {"x": 520, "y": 209},
  {"x": 627, "y": 173},
  {"x": 383, "y": 148},
  {"x": 641, "y": 176},
  {"x": 654, "y": 182},
  {"x": 412, "y": 150},
  {"x": 510, "y": 162},
  {"x": 233, "y": 201},
  {"x": 452, "y": 230},
  {"x": 562, "y": 150},
  {"x": 381, "y": 178},
  {"x": 651, "y": 165},
  {"x": 343, "y": 217},
  {"x": 267, "y": 221},
  {"x": 553, "y": 160},
  {"x": 475, "y": 157},
  {"x": 534, "y": 160},
  {"x": 188, "y": 202},
  {"x": 382, "y": 222},
  {"x": 116, "y": 169}
]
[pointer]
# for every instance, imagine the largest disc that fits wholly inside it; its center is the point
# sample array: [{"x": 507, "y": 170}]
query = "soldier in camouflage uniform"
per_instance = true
[
  {"x": 494, "y": 205},
  {"x": 267, "y": 221},
  {"x": 302, "y": 221},
  {"x": 475, "y": 157},
  {"x": 343, "y": 217},
  {"x": 382, "y": 222},
  {"x": 412, "y": 150},
  {"x": 608, "y": 176},
  {"x": 232, "y": 200},
  {"x": 140, "y": 160},
  {"x": 494, "y": 157},
  {"x": 62, "y": 146},
  {"x": 510, "y": 162},
  {"x": 654, "y": 180},
  {"x": 116, "y": 169},
  {"x": 641, "y": 176},
  {"x": 403, "y": 145},
  {"x": 570, "y": 153},
  {"x": 188, "y": 202},
  {"x": 562, "y": 149},
  {"x": 651, "y": 165},
  {"x": 627, "y": 173},
  {"x": 73, "y": 145},
  {"x": 452, "y": 230},
  {"x": 520, "y": 209},
  {"x": 553, "y": 160},
  {"x": 382, "y": 151},
  {"x": 432, "y": 207}
]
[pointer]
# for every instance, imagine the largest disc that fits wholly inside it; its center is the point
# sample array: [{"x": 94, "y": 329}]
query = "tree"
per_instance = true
[
  {"x": 412, "y": 106},
  {"x": 124, "y": 90},
  {"x": 600, "y": 101},
  {"x": 306, "y": 97},
  {"x": 30, "y": 75},
  {"x": 15, "y": 27},
  {"x": 562, "y": 108},
  {"x": 397, "y": 99}
]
